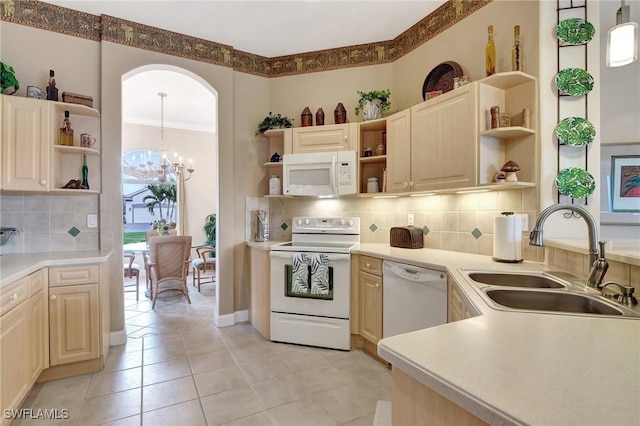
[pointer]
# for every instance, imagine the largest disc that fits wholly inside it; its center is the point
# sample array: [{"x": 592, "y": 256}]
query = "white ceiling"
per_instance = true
[{"x": 266, "y": 28}]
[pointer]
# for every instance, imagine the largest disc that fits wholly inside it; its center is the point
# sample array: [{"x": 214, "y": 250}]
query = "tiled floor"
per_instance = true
[{"x": 177, "y": 368}]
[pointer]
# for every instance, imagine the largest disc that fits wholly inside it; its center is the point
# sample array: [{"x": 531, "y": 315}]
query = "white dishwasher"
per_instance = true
[{"x": 413, "y": 298}]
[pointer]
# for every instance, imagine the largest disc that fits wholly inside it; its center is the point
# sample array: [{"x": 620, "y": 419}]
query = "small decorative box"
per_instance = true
[{"x": 74, "y": 98}]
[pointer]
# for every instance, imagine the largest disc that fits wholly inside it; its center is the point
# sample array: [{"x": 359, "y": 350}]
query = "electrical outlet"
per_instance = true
[
  {"x": 410, "y": 219},
  {"x": 92, "y": 220},
  {"x": 525, "y": 222}
]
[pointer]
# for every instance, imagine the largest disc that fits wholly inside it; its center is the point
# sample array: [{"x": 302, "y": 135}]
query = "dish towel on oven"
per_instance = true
[
  {"x": 320, "y": 274},
  {"x": 300, "y": 274}
]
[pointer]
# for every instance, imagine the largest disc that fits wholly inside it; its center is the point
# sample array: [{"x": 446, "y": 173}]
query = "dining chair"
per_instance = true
[
  {"x": 132, "y": 270},
  {"x": 168, "y": 260},
  {"x": 152, "y": 233},
  {"x": 203, "y": 263}
]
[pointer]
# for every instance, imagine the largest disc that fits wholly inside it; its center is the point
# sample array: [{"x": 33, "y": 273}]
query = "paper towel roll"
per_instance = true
[{"x": 507, "y": 238}]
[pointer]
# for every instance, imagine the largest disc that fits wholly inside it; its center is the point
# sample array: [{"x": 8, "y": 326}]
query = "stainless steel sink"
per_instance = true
[
  {"x": 549, "y": 300},
  {"x": 528, "y": 280}
]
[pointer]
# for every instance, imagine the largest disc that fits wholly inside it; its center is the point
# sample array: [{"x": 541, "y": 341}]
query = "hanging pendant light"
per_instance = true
[{"x": 622, "y": 40}]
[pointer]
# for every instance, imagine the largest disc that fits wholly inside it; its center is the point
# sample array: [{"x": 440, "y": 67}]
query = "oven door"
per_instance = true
[{"x": 326, "y": 297}]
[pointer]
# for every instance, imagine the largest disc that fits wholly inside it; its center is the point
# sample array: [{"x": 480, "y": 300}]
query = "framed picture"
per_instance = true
[{"x": 625, "y": 183}]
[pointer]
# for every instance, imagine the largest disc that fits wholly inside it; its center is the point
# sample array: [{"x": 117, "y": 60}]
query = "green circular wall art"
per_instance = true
[
  {"x": 575, "y": 182},
  {"x": 574, "y": 82},
  {"x": 575, "y": 131},
  {"x": 574, "y": 32}
]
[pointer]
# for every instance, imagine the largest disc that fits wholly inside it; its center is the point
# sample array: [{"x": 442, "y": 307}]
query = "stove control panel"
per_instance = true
[{"x": 328, "y": 225}]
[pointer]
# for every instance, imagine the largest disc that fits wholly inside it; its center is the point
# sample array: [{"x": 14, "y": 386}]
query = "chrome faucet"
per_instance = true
[{"x": 598, "y": 264}]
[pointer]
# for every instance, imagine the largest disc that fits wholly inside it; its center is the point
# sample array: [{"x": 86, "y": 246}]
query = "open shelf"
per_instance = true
[
  {"x": 507, "y": 80},
  {"x": 272, "y": 164},
  {"x": 373, "y": 159},
  {"x": 76, "y": 150},
  {"x": 508, "y": 132},
  {"x": 74, "y": 191}
]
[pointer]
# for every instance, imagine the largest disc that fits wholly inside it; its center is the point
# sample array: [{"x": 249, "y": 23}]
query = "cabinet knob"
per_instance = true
[
  {"x": 345, "y": 137},
  {"x": 405, "y": 184},
  {"x": 13, "y": 296},
  {"x": 411, "y": 184},
  {"x": 43, "y": 182},
  {"x": 53, "y": 297},
  {"x": 377, "y": 285}
]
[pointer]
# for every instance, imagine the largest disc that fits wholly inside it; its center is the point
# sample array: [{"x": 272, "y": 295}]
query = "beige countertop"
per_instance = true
[
  {"x": 266, "y": 245},
  {"x": 519, "y": 367},
  {"x": 14, "y": 266},
  {"x": 620, "y": 251}
]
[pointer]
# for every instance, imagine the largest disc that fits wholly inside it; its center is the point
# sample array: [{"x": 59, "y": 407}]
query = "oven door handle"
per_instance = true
[{"x": 289, "y": 255}]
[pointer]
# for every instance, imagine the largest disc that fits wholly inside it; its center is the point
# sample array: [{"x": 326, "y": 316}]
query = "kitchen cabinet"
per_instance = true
[
  {"x": 32, "y": 159},
  {"x": 371, "y": 134},
  {"x": 260, "y": 312},
  {"x": 399, "y": 152},
  {"x": 328, "y": 138},
  {"x": 26, "y": 144},
  {"x": 22, "y": 338},
  {"x": 74, "y": 314},
  {"x": 444, "y": 141},
  {"x": 370, "y": 283},
  {"x": 279, "y": 141},
  {"x": 458, "y": 306}
]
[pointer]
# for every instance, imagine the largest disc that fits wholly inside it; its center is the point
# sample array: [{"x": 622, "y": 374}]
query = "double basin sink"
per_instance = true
[{"x": 543, "y": 292}]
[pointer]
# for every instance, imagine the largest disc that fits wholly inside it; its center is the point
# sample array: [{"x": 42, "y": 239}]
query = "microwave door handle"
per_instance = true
[{"x": 334, "y": 172}]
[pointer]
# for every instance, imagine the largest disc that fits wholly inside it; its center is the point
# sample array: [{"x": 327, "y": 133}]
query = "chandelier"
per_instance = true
[{"x": 164, "y": 170}]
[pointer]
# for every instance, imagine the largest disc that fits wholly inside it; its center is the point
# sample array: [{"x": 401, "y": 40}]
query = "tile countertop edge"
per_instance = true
[
  {"x": 473, "y": 373},
  {"x": 17, "y": 265}
]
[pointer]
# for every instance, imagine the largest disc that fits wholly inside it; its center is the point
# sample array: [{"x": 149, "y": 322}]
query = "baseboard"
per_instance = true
[
  {"x": 224, "y": 320},
  {"x": 241, "y": 316},
  {"x": 117, "y": 338}
]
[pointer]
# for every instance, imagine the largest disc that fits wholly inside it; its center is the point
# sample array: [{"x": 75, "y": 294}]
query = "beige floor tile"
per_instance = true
[
  {"x": 279, "y": 390},
  {"x": 230, "y": 405},
  {"x": 144, "y": 319},
  {"x": 168, "y": 393},
  {"x": 163, "y": 371},
  {"x": 211, "y": 361},
  {"x": 122, "y": 361},
  {"x": 201, "y": 333},
  {"x": 130, "y": 345},
  {"x": 220, "y": 380},
  {"x": 103, "y": 409},
  {"x": 259, "y": 369},
  {"x": 196, "y": 347},
  {"x": 321, "y": 379},
  {"x": 127, "y": 421},
  {"x": 302, "y": 412},
  {"x": 346, "y": 403},
  {"x": 106, "y": 383},
  {"x": 169, "y": 351},
  {"x": 304, "y": 360},
  {"x": 160, "y": 340},
  {"x": 361, "y": 421},
  {"x": 186, "y": 413},
  {"x": 258, "y": 419},
  {"x": 257, "y": 350},
  {"x": 358, "y": 365}
]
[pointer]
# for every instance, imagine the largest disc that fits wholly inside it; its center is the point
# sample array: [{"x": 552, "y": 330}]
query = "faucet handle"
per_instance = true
[{"x": 601, "y": 244}]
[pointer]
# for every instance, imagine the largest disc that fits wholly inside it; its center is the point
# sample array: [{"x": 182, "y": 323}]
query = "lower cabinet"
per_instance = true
[
  {"x": 260, "y": 313},
  {"x": 459, "y": 307},
  {"x": 370, "y": 307},
  {"x": 74, "y": 320}
]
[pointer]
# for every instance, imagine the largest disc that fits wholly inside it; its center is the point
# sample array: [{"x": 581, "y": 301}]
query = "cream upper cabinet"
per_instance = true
[
  {"x": 399, "y": 151},
  {"x": 444, "y": 141},
  {"x": 328, "y": 138},
  {"x": 26, "y": 148}
]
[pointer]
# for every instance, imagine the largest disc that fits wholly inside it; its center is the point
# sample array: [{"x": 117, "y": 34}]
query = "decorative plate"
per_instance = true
[
  {"x": 574, "y": 32},
  {"x": 441, "y": 78},
  {"x": 575, "y": 131},
  {"x": 574, "y": 82},
  {"x": 575, "y": 182}
]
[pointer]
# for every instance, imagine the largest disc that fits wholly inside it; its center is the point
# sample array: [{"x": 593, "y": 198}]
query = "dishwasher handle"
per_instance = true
[{"x": 412, "y": 273}]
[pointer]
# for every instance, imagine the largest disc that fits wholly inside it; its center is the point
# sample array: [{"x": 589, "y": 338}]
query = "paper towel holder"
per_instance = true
[{"x": 515, "y": 255}]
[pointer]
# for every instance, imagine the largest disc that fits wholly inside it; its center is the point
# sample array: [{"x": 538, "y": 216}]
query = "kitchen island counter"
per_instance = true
[{"x": 518, "y": 367}]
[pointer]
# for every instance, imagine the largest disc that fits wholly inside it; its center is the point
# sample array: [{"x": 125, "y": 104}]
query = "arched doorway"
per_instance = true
[{"x": 181, "y": 126}]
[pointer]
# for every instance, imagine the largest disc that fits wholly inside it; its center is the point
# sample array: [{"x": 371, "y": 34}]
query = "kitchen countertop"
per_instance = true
[
  {"x": 14, "y": 266},
  {"x": 519, "y": 367},
  {"x": 620, "y": 251},
  {"x": 266, "y": 245}
]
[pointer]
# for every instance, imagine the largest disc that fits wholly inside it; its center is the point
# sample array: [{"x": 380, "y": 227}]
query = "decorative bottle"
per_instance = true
[
  {"x": 52, "y": 91},
  {"x": 516, "y": 51},
  {"x": 85, "y": 173},
  {"x": 490, "y": 59},
  {"x": 274, "y": 185},
  {"x": 66, "y": 132}
]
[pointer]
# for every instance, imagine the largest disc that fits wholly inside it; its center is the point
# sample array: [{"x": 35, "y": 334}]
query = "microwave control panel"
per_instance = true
[{"x": 345, "y": 177}]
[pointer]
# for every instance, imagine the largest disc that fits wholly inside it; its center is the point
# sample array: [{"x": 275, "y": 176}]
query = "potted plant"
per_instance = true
[
  {"x": 276, "y": 121},
  {"x": 8, "y": 79},
  {"x": 210, "y": 229},
  {"x": 373, "y": 103}
]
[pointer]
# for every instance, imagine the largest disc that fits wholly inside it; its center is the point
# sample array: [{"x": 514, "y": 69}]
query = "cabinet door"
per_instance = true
[
  {"x": 26, "y": 148},
  {"x": 15, "y": 368},
  {"x": 38, "y": 309},
  {"x": 444, "y": 141},
  {"x": 73, "y": 324},
  {"x": 370, "y": 307},
  {"x": 336, "y": 137},
  {"x": 260, "y": 313},
  {"x": 399, "y": 151}
]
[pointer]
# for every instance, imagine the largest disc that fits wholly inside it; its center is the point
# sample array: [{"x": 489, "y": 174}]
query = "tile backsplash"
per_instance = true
[
  {"x": 455, "y": 222},
  {"x": 49, "y": 222}
]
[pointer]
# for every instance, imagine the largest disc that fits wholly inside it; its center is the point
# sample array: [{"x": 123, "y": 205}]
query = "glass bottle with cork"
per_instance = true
[
  {"x": 66, "y": 132},
  {"x": 490, "y": 57},
  {"x": 516, "y": 51}
]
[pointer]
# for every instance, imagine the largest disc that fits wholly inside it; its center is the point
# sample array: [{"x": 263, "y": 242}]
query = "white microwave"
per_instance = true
[{"x": 320, "y": 173}]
